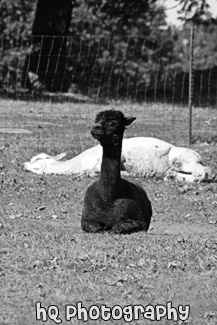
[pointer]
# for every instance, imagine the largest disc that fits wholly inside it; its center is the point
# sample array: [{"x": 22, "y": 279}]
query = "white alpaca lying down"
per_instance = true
[{"x": 141, "y": 157}]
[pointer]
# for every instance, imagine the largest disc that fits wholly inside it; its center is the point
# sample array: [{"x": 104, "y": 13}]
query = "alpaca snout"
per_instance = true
[
  {"x": 211, "y": 175},
  {"x": 96, "y": 131},
  {"x": 97, "y": 126},
  {"x": 207, "y": 174}
]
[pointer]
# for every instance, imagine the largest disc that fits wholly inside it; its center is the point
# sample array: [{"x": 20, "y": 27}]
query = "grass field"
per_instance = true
[{"x": 44, "y": 255}]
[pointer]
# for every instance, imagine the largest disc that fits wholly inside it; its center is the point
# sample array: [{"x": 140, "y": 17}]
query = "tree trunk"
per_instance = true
[{"x": 45, "y": 65}]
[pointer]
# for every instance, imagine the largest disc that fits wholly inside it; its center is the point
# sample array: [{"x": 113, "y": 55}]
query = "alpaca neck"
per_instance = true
[{"x": 110, "y": 170}]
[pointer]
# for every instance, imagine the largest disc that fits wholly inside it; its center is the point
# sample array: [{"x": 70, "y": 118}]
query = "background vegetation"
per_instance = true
[{"x": 115, "y": 50}]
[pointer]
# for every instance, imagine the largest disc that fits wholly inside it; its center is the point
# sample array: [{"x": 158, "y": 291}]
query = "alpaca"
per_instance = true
[
  {"x": 141, "y": 157},
  {"x": 113, "y": 203}
]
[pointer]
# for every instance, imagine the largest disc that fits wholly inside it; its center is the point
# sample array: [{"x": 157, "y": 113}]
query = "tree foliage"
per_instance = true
[
  {"x": 197, "y": 11},
  {"x": 115, "y": 48},
  {"x": 125, "y": 47},
  {"x": 16, "y": 17}
]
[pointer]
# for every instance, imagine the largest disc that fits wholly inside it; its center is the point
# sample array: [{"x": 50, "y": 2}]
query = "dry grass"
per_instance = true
[{"x": 44, "y": 255}]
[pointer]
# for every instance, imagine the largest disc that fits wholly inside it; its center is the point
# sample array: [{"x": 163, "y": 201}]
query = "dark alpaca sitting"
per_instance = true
[{"x": 113, "y": 203}]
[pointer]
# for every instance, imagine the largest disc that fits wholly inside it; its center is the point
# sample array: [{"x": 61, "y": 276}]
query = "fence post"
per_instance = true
[{"x": 191, "y": 81}]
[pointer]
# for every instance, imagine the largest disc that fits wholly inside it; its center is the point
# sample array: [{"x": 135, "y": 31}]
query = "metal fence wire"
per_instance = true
[
  {"x": 105, "y": 69},
  {"x": 134, "y": 68}
]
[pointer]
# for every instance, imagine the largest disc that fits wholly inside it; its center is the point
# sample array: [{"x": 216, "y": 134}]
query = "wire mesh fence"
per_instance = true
[{"x": 135, "y": 69}]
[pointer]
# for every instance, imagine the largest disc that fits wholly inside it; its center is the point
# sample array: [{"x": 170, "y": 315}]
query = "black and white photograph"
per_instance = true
[{"x": 108, "y": 162}]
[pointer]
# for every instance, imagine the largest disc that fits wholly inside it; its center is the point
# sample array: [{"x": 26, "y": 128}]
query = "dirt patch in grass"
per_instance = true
[
  {"x": 14, "y": 131},
  {"x": 45, "y": 256}
]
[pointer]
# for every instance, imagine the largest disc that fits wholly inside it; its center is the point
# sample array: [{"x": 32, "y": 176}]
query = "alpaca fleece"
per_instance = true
[
  {"x": 113, "y": 203},
  {"x": 140, "y": 157}
]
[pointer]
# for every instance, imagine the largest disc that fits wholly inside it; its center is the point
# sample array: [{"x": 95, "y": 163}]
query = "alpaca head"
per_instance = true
[{"x": 109, "y": 127}]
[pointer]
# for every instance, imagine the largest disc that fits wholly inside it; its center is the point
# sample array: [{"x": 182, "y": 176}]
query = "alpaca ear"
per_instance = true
[{"x": 129, "y": 120}]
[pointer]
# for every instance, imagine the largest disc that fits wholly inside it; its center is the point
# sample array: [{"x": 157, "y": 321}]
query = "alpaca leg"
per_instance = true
[
  {"x": 128, "y": 226},
  {"x": 92, "y": 226}
]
